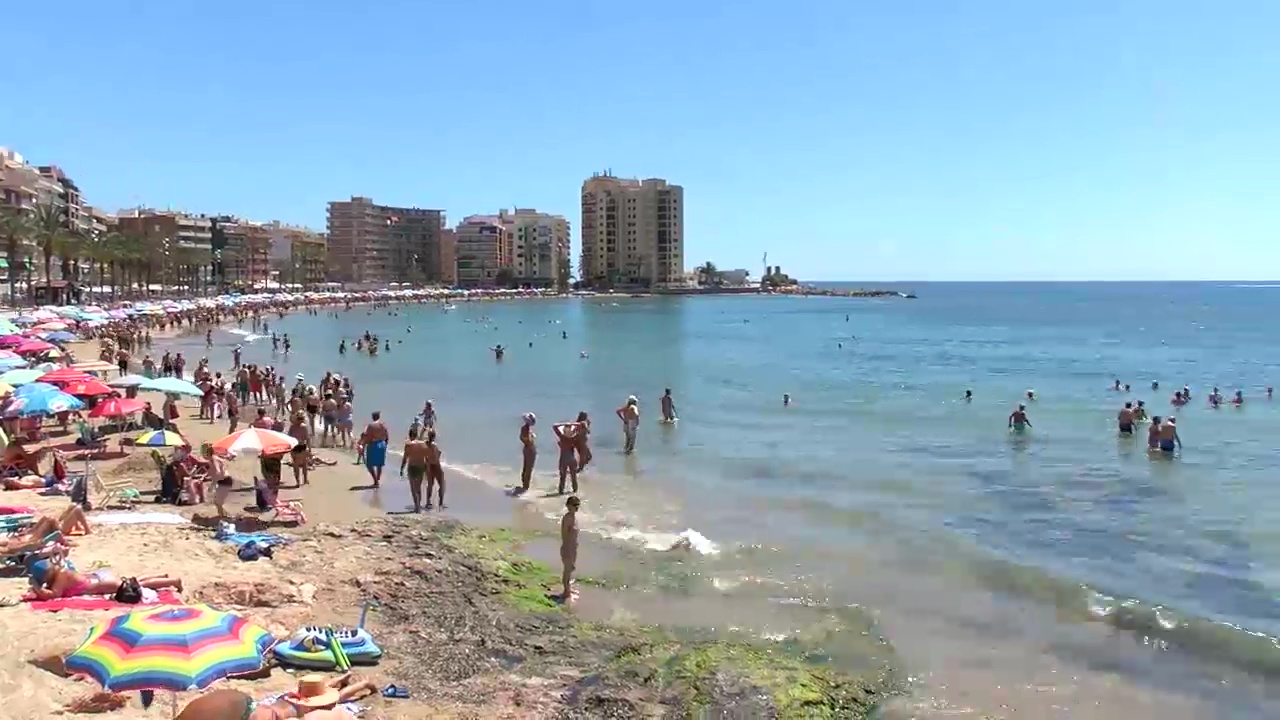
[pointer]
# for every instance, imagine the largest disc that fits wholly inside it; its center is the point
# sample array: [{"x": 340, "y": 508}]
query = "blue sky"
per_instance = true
[{"x": 903, "y": 139}]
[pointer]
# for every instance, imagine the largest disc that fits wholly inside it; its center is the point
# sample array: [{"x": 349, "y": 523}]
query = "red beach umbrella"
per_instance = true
[
  {"x": 12, "y": 340},
  {"x": 30, "y": 347},
  {"x": 65, "y": 375},
  {"x": 117, "y": 407},
  {"x": 87, "y": 388}
]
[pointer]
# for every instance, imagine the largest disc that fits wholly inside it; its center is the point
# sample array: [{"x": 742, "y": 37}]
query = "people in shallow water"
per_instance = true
[
  {"x": 968, "y": 396},
  {"x": 1124, "y": 420},
  {"x": 1140, "y": 412},
  {"x": 1215, "y": 398},
  {"x": 1178, "y": 399},
  {"x": 1031, "y": 395},
  {"x": 1153, "y": 434},
  {"x": 786, "y": 399},
  {"x": 1018, "y": 420},
  {"x": 1238, "y": 400},
  {"x": 668, "y": 406},
  {"x": 1169, "y": 439}
]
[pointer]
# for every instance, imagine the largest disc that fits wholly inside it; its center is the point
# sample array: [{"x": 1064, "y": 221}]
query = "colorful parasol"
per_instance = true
[
  {"x": 174, "y": 648},
  {"x": 30, "y": 347},
  {"x": 94, "y": 366},
  {"x": 161, "y": 438},
  {"x": 117, "y": 407},
  {"x": 9, "y": 341},
  {"x": 65, "y": 375},
  {"x": 87, "y": 388},
  {"x": 255, "y": 441},
  {"x": 129, "y": 381},
  {"x": 42, "y": 403},
  {"x": 21, "y": 376}
]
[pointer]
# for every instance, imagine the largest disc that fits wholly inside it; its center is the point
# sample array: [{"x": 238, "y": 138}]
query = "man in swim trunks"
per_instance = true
[
  {"x": 529, "y": 451},
  {"x": 1124, "y": 420},
  {"x": 567, "y": 438},
  {"x": 1018, "y": 421},
  {"x": 328, "y": 420},
  {"x": 569, "y": 546},
  {"x": 415, "y": 459},
  {"x": 1169, "y": 440},
  {"x": 374, "y": 439},
  {"x": 629, "y": 414}
]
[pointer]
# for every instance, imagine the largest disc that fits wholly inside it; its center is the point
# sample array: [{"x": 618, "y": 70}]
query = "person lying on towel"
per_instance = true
[{"x": 53, "y": 580}]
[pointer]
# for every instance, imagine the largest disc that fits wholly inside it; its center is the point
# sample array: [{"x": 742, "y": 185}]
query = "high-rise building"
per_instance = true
[
  {"x": 19, "y": 181},
  {"x": 247, "y": 253},
  {"x": 64, "y": 195},
  {"x": 483, "y": 250},
  {"x": 539, "y": 245},
  {"x": 372, "y": 244},
  {"x": 448, "y": 258},
  {"x": 632, "y": 232},
  {"x": 165, "y": 229}
]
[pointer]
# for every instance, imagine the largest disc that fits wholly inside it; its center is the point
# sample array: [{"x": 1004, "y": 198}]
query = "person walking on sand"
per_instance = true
[
  {"x": 435, "y": 470},
  {"x": 529, "y": 451},
  {"x": 374, "y": 439},
  {"x": 218, "y": 476},
  {"x": 300, "y": 455},
  {"x": 629, "y": 414},
  {"x": 415, "y": 459},
  {"x": 567, "y": 438},
  {"x": 569, "y": 546}
]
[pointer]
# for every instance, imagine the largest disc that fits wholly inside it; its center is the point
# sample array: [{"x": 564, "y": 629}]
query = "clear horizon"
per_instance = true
[{"x": 989, "y": 141}]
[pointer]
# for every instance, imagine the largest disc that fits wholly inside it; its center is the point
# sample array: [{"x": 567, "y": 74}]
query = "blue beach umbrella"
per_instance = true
[
  {"x": 60, "y": 336},
  {"x": 35, "y": 388},
  {"x": 8, "y": 363},
  {"x": 47, "y": 403}
]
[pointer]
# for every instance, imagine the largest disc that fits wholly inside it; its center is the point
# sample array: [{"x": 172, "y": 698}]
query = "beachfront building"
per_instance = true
[
  {"x": 246, "y": 253},
  {"x": 298, "y": 255},
  {"x": 448, "y": 258},
  {"x": 632, "y": 232},
  {"x": 18, "y": 180},
  {"x": 175, "y": 240},
  {"x": 538, "y": 246},
  {"x": 484, "y": 252},
  {"x": 376, "y": 245},
  {"x": 60, "y": 191}
]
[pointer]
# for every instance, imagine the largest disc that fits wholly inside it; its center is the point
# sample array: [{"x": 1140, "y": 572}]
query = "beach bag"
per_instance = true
[{"x": 129, "y": 592}]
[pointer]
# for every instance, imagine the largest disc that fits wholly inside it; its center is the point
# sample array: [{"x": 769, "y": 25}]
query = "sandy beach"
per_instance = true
[{"x": 466, "y": 622}]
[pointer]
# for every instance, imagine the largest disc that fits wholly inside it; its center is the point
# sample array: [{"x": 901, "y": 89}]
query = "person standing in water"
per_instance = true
[
  {"x": 1124, "y": 420},
  {"x": 584, "y": 447},
  {"x": 374, "y": 440},
  {"x": 668, "y": 407},
  {"x": 429, "y": 414},
  {"x": 529, "y": 451},
  {"x": 1018, "y": 421},
  {"x": 415, "y": 459},
  {"x": 569, "y": 546},
  {"x": 1169, "y": 439},
  {"x": 567, "y": 438},
  {"x": 629, "y": 414},
  {"x": 1153, "y": 434}
]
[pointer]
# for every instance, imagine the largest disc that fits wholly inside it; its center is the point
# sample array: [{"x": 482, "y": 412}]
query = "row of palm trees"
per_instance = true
[{"x": 125, "y": 263}]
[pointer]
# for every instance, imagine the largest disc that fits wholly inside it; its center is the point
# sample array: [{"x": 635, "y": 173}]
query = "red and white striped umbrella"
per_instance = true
[{"x": 255, "y": 441}]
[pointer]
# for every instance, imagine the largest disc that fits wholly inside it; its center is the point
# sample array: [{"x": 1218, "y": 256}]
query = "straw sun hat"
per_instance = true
[{"x": 312, "y": 692}]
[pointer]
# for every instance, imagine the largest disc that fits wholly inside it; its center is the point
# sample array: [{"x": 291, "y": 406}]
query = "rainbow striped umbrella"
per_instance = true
[
  {"x": 160, "y": 438},
  {"x": 175, "y": 648}
]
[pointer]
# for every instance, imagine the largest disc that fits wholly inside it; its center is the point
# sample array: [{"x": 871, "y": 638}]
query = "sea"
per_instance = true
[{"x": 1064, "y": 572}]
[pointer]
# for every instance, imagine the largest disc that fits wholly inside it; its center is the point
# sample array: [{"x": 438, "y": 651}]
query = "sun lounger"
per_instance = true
[{"x": 119, "y": 489}]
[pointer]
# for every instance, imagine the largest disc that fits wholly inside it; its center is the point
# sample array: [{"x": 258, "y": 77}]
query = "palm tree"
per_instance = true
[
  {"x": 707, "y": 272},
  {"x": 51, "y": 234},
  {"x": 16, "y": 230}
]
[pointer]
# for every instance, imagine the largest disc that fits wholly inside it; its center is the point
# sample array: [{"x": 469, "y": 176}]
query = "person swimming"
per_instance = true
[
  {"x": 1238, "y": 400},
  {"x": 1178, "y": 399},
  {"x": 1018, "y": 420},
  {"x": 1031, "y": 395},
  {"x": 1124, "y": 420},
  {"x": 968, "y": 396}
]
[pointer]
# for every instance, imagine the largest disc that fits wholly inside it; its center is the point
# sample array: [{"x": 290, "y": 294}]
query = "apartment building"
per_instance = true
[
  {"x": 246, "y": 252},
  {"x": 539, "y": 244},
  {"x": 371, "y": 244},
  {"x": 163, "y": 229},
  {"x": 61, "y": 191},
  {"x": 448, "y": 258},
  {"x": 298, "y": 254},
  {"x": 19, "y": 181},
  {"x": 483, "y": 249},
  {"x": 632, "y": 232}
]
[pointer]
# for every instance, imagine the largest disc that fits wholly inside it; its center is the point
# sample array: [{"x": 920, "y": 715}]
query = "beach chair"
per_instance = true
[
  {"x": 119, "y": 489},
  {"x": 282, "y": 510},
  {"x": 87, "y": 440}
]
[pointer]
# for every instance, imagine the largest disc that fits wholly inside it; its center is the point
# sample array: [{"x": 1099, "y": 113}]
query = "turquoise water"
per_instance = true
[{"x": 879, "y": 480}]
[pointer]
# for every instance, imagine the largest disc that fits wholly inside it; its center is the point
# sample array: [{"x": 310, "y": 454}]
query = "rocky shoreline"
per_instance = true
[{"x": 468, "y": 621}]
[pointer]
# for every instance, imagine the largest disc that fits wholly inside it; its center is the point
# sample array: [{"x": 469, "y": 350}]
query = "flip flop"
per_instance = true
[
  {"x": 395, "y": 691},
  {"x": 7, "y": 601}
]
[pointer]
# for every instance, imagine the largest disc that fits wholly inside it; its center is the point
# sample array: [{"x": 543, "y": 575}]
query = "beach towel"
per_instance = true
[
  {"x": 138, "y": 518},
  {"x": 102, "y": 602},
  {"x": 16, "y": 510},
  {"x": 227, "y": 534},
  {"x": 375, "y": 454}
]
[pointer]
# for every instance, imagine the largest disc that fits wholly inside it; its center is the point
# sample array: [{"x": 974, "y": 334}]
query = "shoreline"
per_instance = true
[{"x": 466, "y": 618}]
